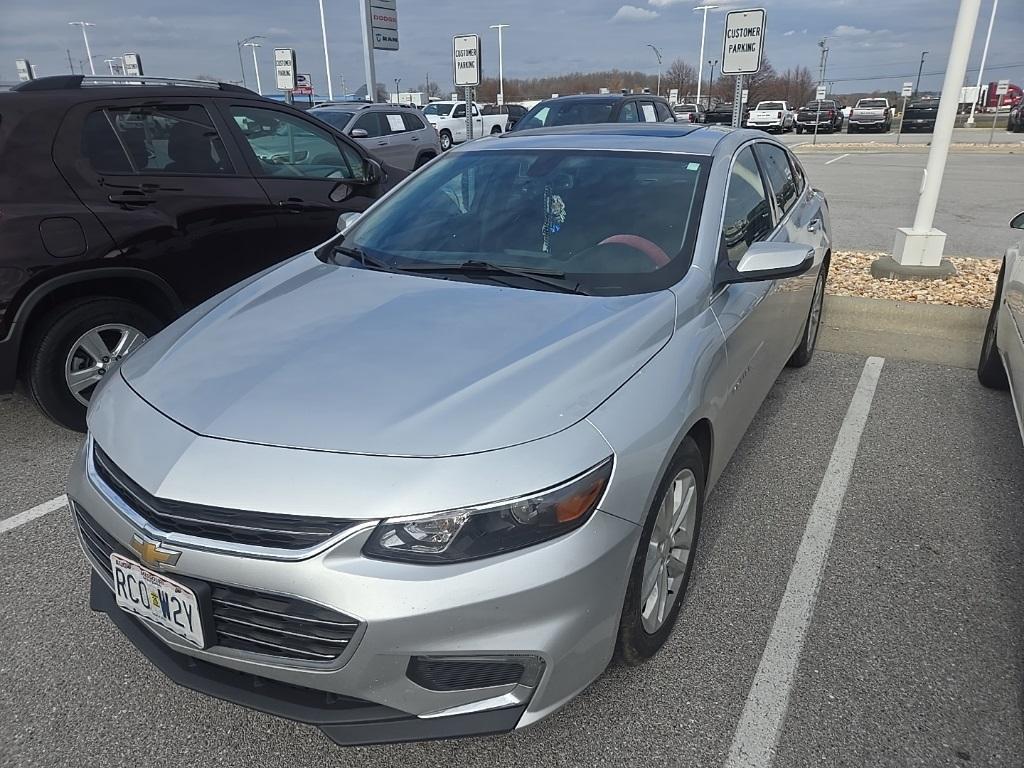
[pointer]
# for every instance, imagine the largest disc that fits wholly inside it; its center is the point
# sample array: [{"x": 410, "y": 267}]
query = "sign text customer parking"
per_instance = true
[{"x": 744, "y": 42}]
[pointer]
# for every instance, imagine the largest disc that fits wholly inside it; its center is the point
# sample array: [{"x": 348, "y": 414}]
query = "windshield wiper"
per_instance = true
[
  {"x": 551, "y": 279},
  {"x": 358, "y": 254}
]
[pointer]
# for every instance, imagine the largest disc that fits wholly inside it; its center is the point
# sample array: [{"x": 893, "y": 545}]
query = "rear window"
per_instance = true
[
  {"x": 333, "y": 117},
  {"x": 770, "y": 105},
  {"x": 412, "y": 122},
  {"x": 872, "y": 103},
  {"x": 566, "y": 113}
]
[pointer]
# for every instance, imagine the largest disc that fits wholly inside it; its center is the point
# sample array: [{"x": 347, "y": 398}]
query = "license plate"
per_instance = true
[{"x": 158, "y": 599}]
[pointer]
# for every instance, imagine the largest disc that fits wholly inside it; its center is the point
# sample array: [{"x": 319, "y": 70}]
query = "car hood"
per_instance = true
[{"x": 330, "y": 358}]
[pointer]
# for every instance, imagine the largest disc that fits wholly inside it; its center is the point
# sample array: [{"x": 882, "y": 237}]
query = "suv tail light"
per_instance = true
[{"x": 780, "y": 114}]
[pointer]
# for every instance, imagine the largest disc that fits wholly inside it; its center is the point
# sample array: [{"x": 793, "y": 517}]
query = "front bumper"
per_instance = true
[{"x": 557, "y": 603}]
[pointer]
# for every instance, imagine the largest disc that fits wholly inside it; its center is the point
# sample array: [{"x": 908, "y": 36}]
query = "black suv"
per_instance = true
[
  {"x": 599, "y": 108},
  {"x": 124, "y": 204}
]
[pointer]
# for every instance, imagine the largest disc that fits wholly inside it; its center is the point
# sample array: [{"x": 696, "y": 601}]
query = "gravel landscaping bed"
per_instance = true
[{"x": 973, "y": 286}]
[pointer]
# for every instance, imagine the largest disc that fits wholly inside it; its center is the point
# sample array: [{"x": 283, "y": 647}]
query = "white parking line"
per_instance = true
[
  {"x": 799, "y": 144},
  {"x": 829, "y": 162},
  {"x": 10, "y": 523},
  {"x": 753, "y": 744}
]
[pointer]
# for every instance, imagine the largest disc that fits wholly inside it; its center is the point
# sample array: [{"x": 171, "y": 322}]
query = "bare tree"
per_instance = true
[{"x": 682, "y": 75}]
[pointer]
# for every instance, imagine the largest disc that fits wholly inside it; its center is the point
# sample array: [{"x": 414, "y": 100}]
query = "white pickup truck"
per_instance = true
[
  {"x": 870, "y": 113},
  {"x": 449, "y": 120},
  {"x": 772, "y": 116}
]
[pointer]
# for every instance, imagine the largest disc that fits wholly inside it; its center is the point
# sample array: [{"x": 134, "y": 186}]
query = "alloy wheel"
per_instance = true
[
  {"x": 669, "y": 551},
  {"x": 814, "y": 321},
  {"x": 94, "y": 352}
]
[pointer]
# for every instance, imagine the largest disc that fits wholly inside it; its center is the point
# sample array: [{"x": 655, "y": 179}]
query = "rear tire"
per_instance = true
[
  {"x": 53, "y": 345},
  {"x": 799, "y": 129},
  {"x": 640, "y": 635},
  {"x": 803, "y": 353},
  {"x": 991, "y": 372},
  {"x": 495, "y": 130},
  {"x": 422, "y": 160}
]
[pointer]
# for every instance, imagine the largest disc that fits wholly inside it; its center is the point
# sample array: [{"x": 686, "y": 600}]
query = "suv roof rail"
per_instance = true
[{"x": 72, "y": 82}]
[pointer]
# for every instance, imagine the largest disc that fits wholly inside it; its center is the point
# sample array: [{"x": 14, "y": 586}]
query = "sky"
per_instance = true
[{"x": 872, "y": 43}]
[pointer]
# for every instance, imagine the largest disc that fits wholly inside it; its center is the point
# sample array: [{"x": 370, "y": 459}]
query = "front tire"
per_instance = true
[
  {"x": 75, "y": 346},
  {"x": 495, "y": 130},
  {"x": 446, "y": 141},
  {"x": 664, "y": 558},
  {"x": 803, "y": 353},
  {"x": 991, "y": 372},
  {"x": 799, "y": 129}
]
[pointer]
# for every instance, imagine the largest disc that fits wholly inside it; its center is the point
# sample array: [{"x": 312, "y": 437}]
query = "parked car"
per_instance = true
[
  {"x": 920, "y": 116},
  {"x": 398, "y": 135},
  {"x": 772, "y": 116},
  {"x": 689, "y": 113},
  {"x": 720, "y": 114},
  {"x": 870, "y": 114},
  {"x": 1002, "y": 351},
  {"x": 826, "y": 114},
  {"x": 601, "y": 108},
  {"x": 462, "y": 450},
  {"x": 449, "y": 120},
  {"x": 515, "y": 112},
  {"x": 126, "y": 204},
  {"x": 1015, "y": 119}
]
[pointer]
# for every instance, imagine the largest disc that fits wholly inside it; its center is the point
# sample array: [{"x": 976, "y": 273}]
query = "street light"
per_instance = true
[
  {"x": 255, "y": 64},
  {"x": 658, "y": 54},
  {"x": 327, "y": 57},
  {"x": 85, "y": 36},
  {"x": 397, "y": 92},
  {"x": 241, "y": 65},
  {"x": 703, "y": 32},
  {"x": 919, "y": 68},
  {"x": 984, "y": 57},
  {"x": 501, "y": 63},
  {"x": 110, "y": 64},
  {"x": 711, "y": 78}
]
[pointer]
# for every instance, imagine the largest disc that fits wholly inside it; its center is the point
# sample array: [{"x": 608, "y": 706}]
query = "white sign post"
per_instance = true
[
  {"x": 906, "y": 93},
  {"x": 466, "y": 63},
  {"x": 133, "y": 65},
  {"x": 1002, "y": 88},
  {"x": 25, "y": 72},
  {"x": 819, "y": 94},
  {"x": 742, "y": 51},
  {"x": 673, "y": 95},
  {"x": 284, "y": 68}
]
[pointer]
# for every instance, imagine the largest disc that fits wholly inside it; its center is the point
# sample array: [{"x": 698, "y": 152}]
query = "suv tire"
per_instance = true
[
  {"x": 52, "y": 343},
  {"x": 446, "y": 140}
]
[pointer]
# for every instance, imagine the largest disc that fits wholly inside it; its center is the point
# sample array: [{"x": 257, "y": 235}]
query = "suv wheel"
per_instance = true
[
  {"x": 446, "y": 141},
  {"x": 75, "y": 346}
]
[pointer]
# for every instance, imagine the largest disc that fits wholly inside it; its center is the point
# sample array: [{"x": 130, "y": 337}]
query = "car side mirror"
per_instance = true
[
  {"x": 373, "y": 171},
  {"x": 346, "y": 220},
  {"x": 1017, "y": 222},
  {"x": 767, "y": 261},
  {"x": 359, "y": 133},
  {"x": 341, "y": 192}
]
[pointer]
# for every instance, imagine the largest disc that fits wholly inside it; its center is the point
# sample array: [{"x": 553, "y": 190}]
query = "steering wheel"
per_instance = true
[{"x": 651, "y": 250}]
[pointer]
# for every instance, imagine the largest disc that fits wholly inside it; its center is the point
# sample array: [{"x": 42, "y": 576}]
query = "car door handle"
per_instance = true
[
  {"x": 131, "y": 198},
  {"x": 382, "y": 143},
  {"x": 302, "y": 206},
  {"x": 814, "y": 225}
]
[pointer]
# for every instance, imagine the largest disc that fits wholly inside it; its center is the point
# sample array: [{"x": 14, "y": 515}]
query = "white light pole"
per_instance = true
[
  {"x": 110, "y": 63},
  {"x": 658, "y": 54},
  {"x": 327, "y": 56},
  {"x": 240, "y": 44},
  {"x": 501, "y": 61},
  {"x": 85, "y": 36},
  {"x": 255, "y": 64},
  {"x": 984, "y": 57},
  {"x": 918, "y": 249},
  {"x": 703, "y": 32}
]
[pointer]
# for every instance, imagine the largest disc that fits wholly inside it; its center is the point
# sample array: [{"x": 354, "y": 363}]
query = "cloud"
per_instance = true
[
  {"x": 845, "y": 30},
  {"x": 632, "y": 13},
  {"x": 663, "y": 3},
  {"x": 790, "y": 32}
]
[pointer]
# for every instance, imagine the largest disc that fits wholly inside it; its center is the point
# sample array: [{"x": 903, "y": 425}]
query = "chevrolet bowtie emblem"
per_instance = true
[{"x": 152, "y": 553}]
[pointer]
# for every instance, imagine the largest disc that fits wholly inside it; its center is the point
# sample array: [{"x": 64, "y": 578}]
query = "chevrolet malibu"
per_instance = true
[{"x": 429, "y": 478}]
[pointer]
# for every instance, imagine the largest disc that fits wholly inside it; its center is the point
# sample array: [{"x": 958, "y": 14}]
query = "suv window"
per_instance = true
[
  {"x": 664, "y": 113},
  {"x": 775, "y": 162},
  {"x": 412, "y": 122},
  {"x": 171, "y": 139},
  {"x": 369, "y": 122},
  {"x": 392, "y": 122},
  {"x": 650, "y": 115},
  {"x": 748, "y": 214},
  {"x": 628, "y": 113},
  {"x": 288, "y": 145}
]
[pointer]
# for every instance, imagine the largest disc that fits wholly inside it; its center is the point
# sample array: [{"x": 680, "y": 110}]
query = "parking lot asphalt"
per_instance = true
[
  {"x": 913, "y": 655},
  {"x": 870, "y": 194},
  {"x": 960, "y": 136}
]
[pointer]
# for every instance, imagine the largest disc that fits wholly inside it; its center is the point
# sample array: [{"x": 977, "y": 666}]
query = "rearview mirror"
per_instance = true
[
  {"x": 1017, "y": 222},
  {"x": 346, "y": 220},
  {"x": 359, "y": 133},
  {"x": 767, "y": 261}
]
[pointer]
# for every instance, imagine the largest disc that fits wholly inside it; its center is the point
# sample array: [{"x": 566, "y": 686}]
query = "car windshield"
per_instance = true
[
  {"x": 567, "y": 112},
  {"x": 770, "y": 105},
  {"x": 872, "y": 103},
  {"x": 608, "y": 222},
  {"x": 685, "y": 108},
  {"x": 333, "y": 117},
  {"x": 440, "y": 108}
]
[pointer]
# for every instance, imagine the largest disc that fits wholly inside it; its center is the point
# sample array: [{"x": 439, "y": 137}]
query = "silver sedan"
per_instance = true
[{"x": 429, "y": 478}]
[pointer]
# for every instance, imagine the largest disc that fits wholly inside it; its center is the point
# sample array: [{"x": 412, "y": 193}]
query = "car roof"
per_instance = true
[
  {"x": 73, "y": 88},
  {"x": 646, "y": 137},
  {"x": 359, "y": 106}
]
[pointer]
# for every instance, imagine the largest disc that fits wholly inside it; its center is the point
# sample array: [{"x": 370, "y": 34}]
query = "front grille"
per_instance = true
[
  {"x": 450, "y": 675},
  {"x": 259, "y": 529},
  {"x": 247, "y": 620}
]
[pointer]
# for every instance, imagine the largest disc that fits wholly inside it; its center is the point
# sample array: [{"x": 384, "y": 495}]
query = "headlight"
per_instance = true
[{"x": 473, "y": 532}]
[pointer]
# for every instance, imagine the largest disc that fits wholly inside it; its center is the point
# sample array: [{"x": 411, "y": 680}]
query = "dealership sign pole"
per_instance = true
[
  {"x": 908, "y": 90},
  {"x": 742, "y": 52},
  {"x": 1002, "y": 88},
  {"x": 466, "y": 63},
  {"x": 818, "y": 95}
]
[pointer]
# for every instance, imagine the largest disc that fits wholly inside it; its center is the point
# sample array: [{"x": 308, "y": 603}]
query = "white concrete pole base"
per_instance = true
[{"x": 916, "y": 256}]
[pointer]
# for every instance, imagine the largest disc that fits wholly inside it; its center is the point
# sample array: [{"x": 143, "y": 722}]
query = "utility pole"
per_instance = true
[
  {"x": 327, "y": 57},
  {"x": 711, "y": 78},
  {"x": 703, "y": 32},
  {"x": 823, "y": 62},
  {"x": 85, "y": 36},
  {"x": 658, "y": 54},
  {"x": 919, "y": 68},
  {"x": 255, "y": 64},
  {"x": 984, "y": 57}
]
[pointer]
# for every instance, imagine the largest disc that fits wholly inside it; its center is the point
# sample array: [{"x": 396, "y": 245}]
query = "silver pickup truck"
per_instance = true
[{"x": 870, "y": 114}]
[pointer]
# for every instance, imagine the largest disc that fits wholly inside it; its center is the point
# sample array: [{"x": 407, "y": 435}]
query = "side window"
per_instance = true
[
  {"x": 393, "y": 122},
  {"x": 476, "y": 112},
  {"x": 412, "y": 122},
  {"x": 798, "y": 174},
  {"x": 288, "y": 145},
  {"x": 748, "y": 213},
  {"x": 460, "y": 111},
  {"x": 629, "y": 113},
  {"x": 664, "y": 113},
  {"x": 369, "y": 122},
  {"x": 650, "y": 115},
  {"x": 170, "y": 138},
  {"x": 780, "y": 175}
]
